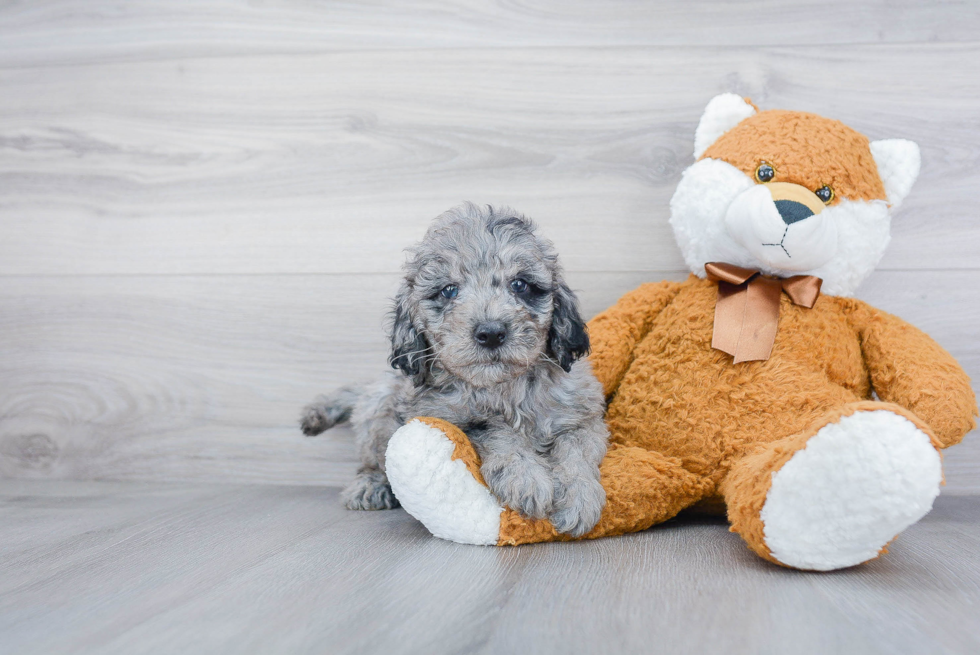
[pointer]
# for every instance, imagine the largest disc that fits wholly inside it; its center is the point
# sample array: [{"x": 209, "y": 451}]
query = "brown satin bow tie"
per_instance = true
[{"x": 747, "y": 311}]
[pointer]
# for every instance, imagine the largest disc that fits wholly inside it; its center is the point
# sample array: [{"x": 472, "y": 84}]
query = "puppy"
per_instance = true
[{"x": 487, "y": 335}]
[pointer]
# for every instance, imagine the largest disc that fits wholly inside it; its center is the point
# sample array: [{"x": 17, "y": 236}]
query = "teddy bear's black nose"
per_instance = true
[{"x": 792, "y": 211}]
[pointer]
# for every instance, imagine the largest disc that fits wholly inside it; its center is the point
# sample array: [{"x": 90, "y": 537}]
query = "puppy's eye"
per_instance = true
[
  {"x": 765, "y": 173},
  {"x": 518, "y": 285},
  {"x": 825, "y": 193},
  {"x": 449, "y": 292}
]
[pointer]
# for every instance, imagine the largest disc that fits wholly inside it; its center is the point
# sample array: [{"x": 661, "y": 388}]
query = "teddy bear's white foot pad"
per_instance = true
[
  {"x": 438, "y": 491},
  {"x": 855, "y": 486}
]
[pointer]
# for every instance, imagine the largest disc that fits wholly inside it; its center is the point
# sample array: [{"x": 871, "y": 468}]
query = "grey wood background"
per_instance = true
[{"x": 203, "y": 204}]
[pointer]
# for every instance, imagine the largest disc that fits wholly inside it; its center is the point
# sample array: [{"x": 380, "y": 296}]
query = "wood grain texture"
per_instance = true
[
  {"x": 63, "y": 31},
  {"x": 336, "y": 162},
  {"x": 117, "y": 568},
  {"x": 203, "y": 205}
]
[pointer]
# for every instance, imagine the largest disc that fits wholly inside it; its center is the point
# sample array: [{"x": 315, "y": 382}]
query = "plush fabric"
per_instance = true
[
  {"x": 438, "y": 485},
  {"x": 747, "y": 489},
  {"x": 805, "y": 149},
  {"x": 823, "y": 452}
]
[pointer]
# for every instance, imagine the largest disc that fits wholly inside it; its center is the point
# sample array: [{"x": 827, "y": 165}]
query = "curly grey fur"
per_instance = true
[{"x": 533, "y": 411}]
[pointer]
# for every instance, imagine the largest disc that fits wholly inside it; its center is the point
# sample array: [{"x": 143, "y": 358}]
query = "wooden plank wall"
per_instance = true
[{"x": 203, "y": 204}]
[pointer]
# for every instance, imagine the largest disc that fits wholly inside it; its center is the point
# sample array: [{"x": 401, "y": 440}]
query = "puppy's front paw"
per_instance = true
[
  {"x": 521, "y": 484},
  {"x": 370, "y": 490},
  {"x": 578, "y": 506}
]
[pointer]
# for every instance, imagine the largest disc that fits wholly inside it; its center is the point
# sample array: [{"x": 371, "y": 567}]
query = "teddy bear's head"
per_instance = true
[{"x": 789, "y": 193}]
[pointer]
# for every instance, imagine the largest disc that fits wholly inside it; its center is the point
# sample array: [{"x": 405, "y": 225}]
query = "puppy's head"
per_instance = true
[
  {"x": 788, "y": 193},
  {"x": 484, "y": 300}
]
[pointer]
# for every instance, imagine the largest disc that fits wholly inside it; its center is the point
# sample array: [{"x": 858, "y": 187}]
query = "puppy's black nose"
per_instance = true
[
  {"x": 490, "y": 334},
  {"x": 791, "y": 211}
]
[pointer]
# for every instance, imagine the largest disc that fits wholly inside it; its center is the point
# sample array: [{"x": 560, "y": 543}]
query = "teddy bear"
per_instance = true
[{"x": 759, "y": 385}]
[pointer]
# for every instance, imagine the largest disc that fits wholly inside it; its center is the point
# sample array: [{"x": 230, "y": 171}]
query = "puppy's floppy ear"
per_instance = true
[
  {"x": 568, "y": 339},
  {"x": 410, "y": 350}
]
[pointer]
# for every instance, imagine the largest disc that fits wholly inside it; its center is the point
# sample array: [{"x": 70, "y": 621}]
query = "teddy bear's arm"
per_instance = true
[
  {"x": 909, "y": 369},
  {"x": 615, "y": 332}
]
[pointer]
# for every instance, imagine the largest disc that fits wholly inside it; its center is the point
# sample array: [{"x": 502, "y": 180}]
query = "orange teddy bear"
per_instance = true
[{"x": 757, "y": 384}]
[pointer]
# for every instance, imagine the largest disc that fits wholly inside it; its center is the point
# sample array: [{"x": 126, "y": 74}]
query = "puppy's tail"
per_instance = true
[{"x": 328, "y": 411}]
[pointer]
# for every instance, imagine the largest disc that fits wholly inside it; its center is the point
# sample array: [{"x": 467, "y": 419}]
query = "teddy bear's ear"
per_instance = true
[
  {"x": 722, "y": 114},
  {"x": 898, "y": 163}
]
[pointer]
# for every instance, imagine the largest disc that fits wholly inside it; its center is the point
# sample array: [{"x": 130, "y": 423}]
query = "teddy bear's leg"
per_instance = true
[
  {"x": 642, "y": 489},
  {"x": 435, "y": 474},
  {"x": 836, "y": 494}
]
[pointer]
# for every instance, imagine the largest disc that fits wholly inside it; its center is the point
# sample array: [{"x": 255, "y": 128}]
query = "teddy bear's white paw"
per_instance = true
[
  {"x": 855, "y": 486},
  {"x": 438, "y": 491}
]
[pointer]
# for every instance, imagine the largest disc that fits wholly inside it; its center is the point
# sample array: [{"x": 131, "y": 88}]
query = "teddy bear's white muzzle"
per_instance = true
[{"x": 785, "y": 234}]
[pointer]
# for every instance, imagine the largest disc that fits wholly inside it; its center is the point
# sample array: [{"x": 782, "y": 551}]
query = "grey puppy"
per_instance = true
[{"x": 487, "y": 335}]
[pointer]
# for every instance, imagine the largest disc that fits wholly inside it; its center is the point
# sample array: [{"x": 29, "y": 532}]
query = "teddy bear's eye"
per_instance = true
[
  {"x": 825, "y": 193},
  {"x": 765, "y": 172}
]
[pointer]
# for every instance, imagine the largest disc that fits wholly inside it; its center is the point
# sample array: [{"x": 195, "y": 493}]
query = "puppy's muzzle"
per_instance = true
[{"x": 491, "y": 334}]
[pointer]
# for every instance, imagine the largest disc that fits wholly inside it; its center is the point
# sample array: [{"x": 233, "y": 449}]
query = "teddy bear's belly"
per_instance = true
[{"x": 684, "y": 399}]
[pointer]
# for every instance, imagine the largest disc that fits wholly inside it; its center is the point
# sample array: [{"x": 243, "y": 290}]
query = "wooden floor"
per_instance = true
[
  {"x": 150, "y": 568},
  {"x": 203, "y": 208}
]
